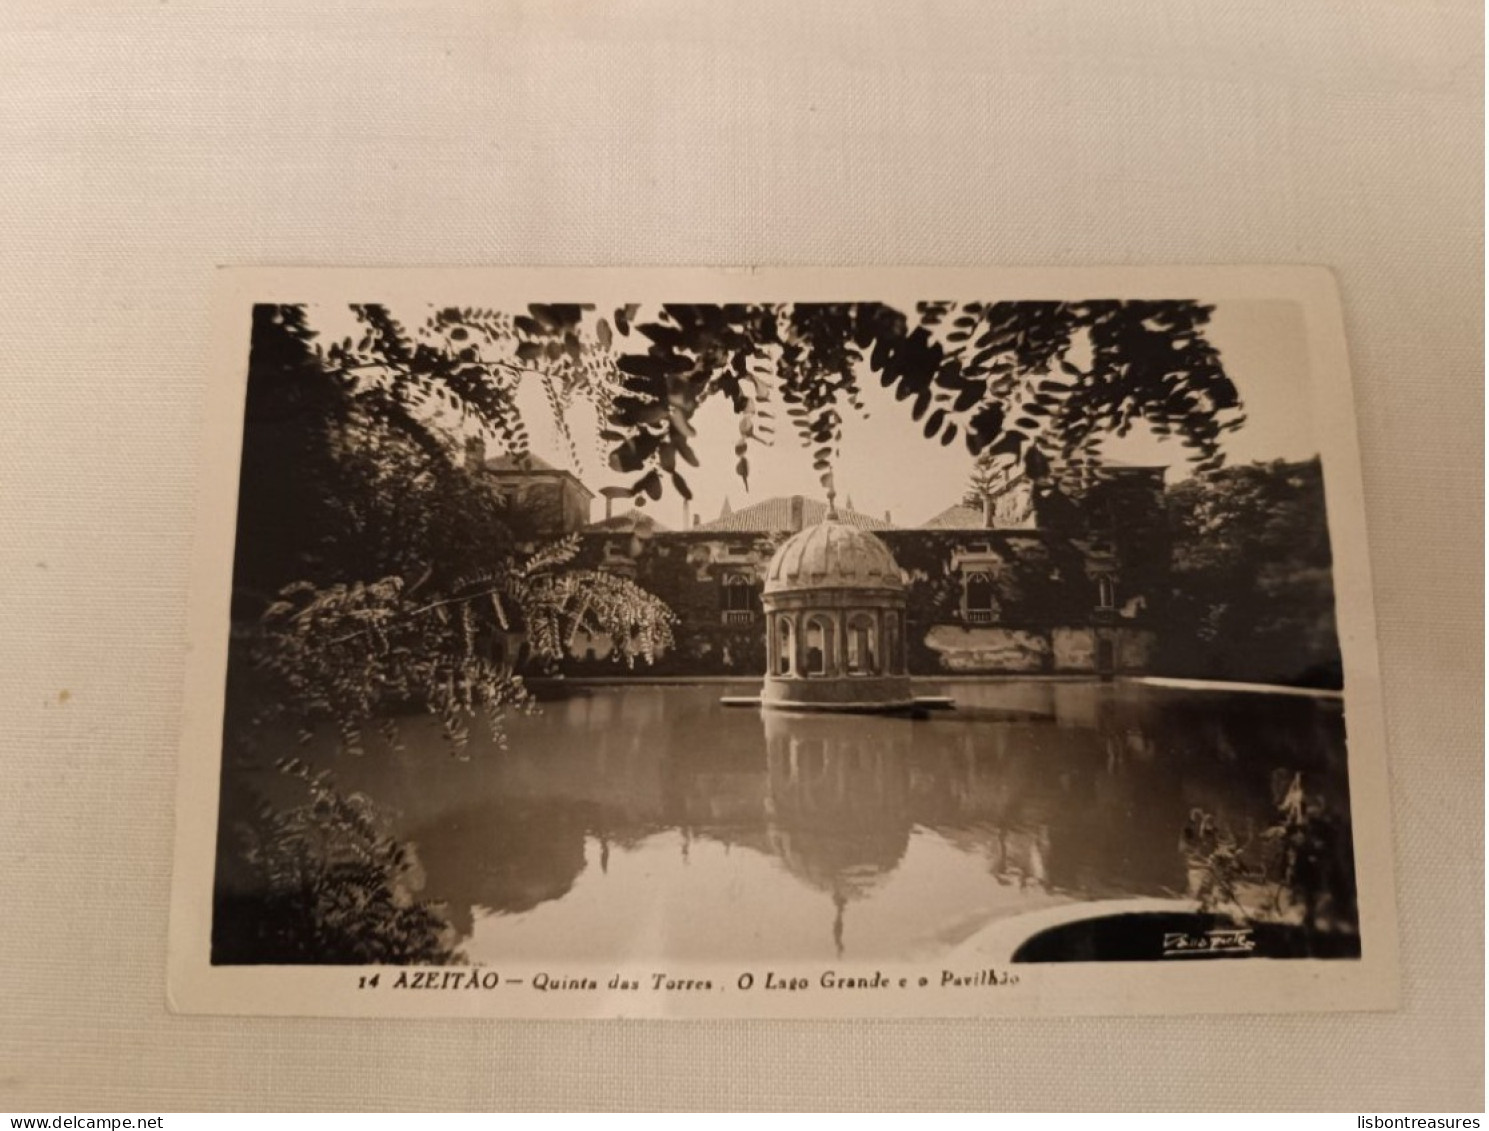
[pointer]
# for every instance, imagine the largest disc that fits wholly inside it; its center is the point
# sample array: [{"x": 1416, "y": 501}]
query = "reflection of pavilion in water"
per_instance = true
[
  {"x": 835, "y": 799},
  {"x": 841, "y": 800},
  {"x": 1056, "y": 786}
]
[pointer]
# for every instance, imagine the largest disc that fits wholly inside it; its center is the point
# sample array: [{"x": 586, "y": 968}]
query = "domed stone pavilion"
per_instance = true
[{"x": 834, "y": 608}]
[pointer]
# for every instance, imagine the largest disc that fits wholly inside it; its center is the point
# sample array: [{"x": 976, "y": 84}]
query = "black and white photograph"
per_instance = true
[
  {"x": 654, "y": 644},
  {"x": 750, "y": 556}
]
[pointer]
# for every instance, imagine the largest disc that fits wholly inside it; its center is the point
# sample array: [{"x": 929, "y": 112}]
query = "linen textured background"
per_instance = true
[{"x": 142, "y": 143}]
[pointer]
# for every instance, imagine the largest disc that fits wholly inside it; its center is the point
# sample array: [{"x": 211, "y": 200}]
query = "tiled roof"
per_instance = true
[
  {"x": 531, "y": 462},
  {"x": 832, "y": 555},
  {"x": 959, "y": 517},
  {"x": 771, "y": 515}
]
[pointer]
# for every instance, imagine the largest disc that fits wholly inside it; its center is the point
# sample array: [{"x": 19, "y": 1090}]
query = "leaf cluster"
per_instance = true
[
  {"x": 376, "y": 572},
  {"x": 330, "y": 883}
]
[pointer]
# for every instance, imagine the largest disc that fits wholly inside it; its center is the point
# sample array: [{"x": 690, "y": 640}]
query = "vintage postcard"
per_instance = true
[{"x": 781, "y": 643}]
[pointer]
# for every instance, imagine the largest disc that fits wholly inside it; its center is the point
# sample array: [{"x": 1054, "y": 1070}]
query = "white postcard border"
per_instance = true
[{"x": 1057, "y": 989}]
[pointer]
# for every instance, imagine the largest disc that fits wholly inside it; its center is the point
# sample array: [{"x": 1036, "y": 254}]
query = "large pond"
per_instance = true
[{"x": 651, "y": 821}]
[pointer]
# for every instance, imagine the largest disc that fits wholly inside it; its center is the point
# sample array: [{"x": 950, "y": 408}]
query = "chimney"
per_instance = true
[
  {"x": 987, "y": 511},
  {"x": 687, "y": 514},
  {"x": 609, "y": 507},
  {"x": 697, "y": 521},
  {"x": 797, "y": 516},
  {"x": 475, "y": 452},
  {"x": 889, "y": 518}
]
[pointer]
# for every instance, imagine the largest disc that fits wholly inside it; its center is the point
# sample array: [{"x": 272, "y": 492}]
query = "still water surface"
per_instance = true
[{"x": 649, "y": 821}]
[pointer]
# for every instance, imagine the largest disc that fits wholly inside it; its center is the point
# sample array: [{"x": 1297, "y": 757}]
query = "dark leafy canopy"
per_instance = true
[
  {"x": 470, "y": 361},
  {"x": 768, "y": 360},
  {"x": 351, "y": 494},
  {"x": 1041, "y": 383}
]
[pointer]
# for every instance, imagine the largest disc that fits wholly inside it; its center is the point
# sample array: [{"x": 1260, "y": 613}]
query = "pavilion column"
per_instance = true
[
  {"x": 840, "y": 643},
  {"x": 772, "y": 643}
]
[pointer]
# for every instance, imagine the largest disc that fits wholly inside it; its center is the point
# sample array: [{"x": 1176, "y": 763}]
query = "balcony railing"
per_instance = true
[
  {"x": 979, "y": 616},
  {"x": 739, "y": 616}
]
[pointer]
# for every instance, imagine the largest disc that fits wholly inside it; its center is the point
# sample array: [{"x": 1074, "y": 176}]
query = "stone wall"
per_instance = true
[
  {"x": 688, "y": 572},
  {"x": 1136, "y": 649},
  {"x": 1059, "y": 650}
]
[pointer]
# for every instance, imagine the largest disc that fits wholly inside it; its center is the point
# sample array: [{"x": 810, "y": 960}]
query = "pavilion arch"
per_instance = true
[
  {"x": 820, "y": 642},
  {"x": 783, "y": 645},
  {"x": 864, "y": 648},
  {"x": 894, "y": 643}
]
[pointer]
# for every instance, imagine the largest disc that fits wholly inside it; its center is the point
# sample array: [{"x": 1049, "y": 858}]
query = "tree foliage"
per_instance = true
[
  {"x": 802, "y": 357},
  {"x": 1041, "y": 384},
  {"x": 375, "y": 573},
  {"x": 1299, "y": 869},
  {"x": 353, "y": 500},
  {"x": 470, "y": 362},
  {"x": 1253, "y": 593}
]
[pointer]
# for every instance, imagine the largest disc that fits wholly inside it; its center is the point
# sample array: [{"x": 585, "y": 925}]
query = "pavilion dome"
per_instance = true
[{"x": 832, "y": 555}]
